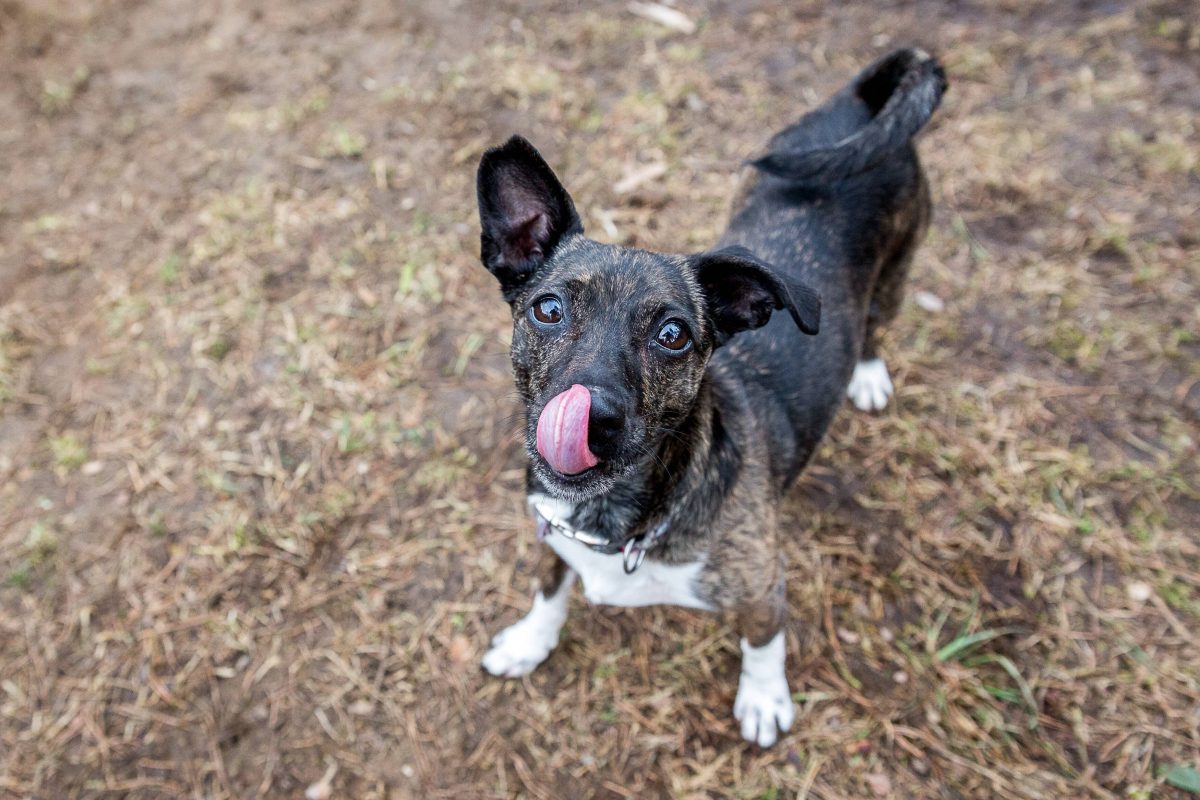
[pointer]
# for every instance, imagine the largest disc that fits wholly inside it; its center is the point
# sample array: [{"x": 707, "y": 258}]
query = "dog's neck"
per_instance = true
[{"x": 702, "y": 459}]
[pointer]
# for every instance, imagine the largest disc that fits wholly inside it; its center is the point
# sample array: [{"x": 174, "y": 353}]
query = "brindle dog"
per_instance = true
[{"x": 668, "y": 408}]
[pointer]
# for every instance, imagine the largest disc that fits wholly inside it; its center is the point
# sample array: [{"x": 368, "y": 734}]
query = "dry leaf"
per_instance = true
[
  {"x": 460, "y": 649},
  {"x": 636, "y": 176},
  {"x": 667, "y": 17}
]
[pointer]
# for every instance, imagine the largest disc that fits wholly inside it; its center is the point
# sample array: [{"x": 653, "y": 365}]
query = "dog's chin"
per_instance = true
[{"x": 574, "y": 488}]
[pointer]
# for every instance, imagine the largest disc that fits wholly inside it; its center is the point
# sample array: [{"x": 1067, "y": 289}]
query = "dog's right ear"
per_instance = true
[
  {"x": 524, "y": 212},
  {"x": 742, "y": 291}
]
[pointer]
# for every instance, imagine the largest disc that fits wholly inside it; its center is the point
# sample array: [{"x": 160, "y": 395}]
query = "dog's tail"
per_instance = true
[{"x": 900, "y": 91}]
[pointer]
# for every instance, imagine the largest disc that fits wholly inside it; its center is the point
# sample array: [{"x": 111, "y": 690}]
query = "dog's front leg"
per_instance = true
[
  {"x": 520, "y": 647},
  {"x": 764, "y": 703}
]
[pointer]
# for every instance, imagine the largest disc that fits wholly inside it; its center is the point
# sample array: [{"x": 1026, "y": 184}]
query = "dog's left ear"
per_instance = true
[
  {"x": 524, "y": 212},
  {"x": 743, "y": 291}
]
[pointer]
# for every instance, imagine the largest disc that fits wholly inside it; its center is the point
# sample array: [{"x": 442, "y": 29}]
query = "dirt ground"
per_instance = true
[{"x": 260, "y": 490}]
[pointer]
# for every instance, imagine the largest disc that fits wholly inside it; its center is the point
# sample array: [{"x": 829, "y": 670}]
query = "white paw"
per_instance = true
[
  {"x": 520, "y": 647},
  {"x": 517, "y": 650},
  {"x": 870, "y": 386},
  {"x": 764, "y": 709},
  {"x": 764, "y": 703}
]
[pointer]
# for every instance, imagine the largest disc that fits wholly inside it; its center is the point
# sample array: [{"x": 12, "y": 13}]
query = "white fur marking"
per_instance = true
[
  {"x": 764, "y": 703},
  {"x": 604, "y": 578},
  {"x": 520, "y": 647},
  {"x": 870, "y": 386}
]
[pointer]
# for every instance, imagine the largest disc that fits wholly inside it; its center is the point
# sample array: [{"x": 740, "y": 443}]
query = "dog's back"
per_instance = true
[{"x": 840, "y": 204}]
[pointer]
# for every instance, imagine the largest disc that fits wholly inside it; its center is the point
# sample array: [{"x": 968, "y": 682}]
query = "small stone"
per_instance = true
[
  {"x": 318, "y": 791},
  {"x": 1139, "y": 592},
  {"x": 928, "y": 301},
  {"x": 847, "y": 636},
  {"x": 460, "y": 650},
  {"x": 900, "y": 677},
  {"x": 880, "y": 784}
]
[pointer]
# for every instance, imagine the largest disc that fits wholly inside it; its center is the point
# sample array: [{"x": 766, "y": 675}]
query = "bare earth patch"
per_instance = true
[{"x": 260, "y": 492}]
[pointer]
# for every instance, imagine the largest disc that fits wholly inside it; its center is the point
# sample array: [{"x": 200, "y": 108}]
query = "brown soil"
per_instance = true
[{"x": 260, "y": 491}]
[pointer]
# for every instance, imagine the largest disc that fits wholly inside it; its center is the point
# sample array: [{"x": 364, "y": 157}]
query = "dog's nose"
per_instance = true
[{"x": 606, "y": 424}]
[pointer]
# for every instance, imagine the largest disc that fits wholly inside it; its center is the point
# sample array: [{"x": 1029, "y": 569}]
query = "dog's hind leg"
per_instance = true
[
  {"x": 520, "y": 647},
  {"x": 871, "y": 386}
]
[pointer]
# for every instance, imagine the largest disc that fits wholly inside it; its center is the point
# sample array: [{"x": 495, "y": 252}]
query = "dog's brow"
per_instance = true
[{"x": 657, "y": 307}]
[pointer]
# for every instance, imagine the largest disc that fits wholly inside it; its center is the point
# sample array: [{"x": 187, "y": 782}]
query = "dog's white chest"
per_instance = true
[{"x": 604, "y": 579}]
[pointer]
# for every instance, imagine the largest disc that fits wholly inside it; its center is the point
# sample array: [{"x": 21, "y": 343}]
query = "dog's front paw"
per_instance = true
[
  {"x": 763, "y": 705},
  {"x": 763, "y": 708},
  {"x": 870, "y": 386},
  {"x": 517, "y": 650},
  {"x": 520, "y": 647}
]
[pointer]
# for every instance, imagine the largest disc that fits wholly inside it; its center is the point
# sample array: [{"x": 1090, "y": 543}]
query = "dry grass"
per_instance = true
[{"x": 260, "y": 503}]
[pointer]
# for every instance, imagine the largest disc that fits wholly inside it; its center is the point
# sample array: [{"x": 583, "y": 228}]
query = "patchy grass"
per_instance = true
[
  {"x": 345, "y": 143},
  {"x": 260, "y": 484},
  {"x": 68, "y": 451},
  {"x": 58, "y": 94}
]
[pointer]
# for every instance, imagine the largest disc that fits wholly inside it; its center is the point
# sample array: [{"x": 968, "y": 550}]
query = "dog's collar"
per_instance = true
[
  {"x": 633, "y": 550},
  {"x": 636, "y": 547}
]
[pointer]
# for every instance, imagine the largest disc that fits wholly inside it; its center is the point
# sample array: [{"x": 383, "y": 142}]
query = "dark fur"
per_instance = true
[{"x": 710, "y": 440}]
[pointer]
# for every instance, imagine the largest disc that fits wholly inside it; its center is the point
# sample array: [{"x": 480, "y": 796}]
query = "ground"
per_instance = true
[{"x": 260, "y": 483}]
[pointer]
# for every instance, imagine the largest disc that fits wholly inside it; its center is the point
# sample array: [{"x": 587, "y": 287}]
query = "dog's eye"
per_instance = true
[
  {"x": 547, "y": 310},
  {"x": 674, "y": 336}
]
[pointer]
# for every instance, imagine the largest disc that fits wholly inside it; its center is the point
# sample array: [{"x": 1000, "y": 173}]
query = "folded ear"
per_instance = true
[
  {"x": 523, "y": 213},
  {"x": 743, "y": 291}
]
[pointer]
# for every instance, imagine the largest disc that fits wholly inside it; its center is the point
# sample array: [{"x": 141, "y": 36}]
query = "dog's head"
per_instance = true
[{"x": 610, "y": 344}]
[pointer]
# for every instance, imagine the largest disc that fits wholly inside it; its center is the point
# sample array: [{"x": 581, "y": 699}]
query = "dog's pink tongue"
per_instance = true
[{"x": 562, "y": 431}]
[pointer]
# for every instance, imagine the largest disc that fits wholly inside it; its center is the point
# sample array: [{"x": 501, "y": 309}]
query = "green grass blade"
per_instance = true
[
  {"x": 963, "y": 643},
  {"x": 1006, "y": 664},
  {"x": 1184, "y": 777}
]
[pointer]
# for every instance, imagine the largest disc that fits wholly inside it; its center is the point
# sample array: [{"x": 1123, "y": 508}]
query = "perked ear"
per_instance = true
[
  {"x": 523, "y": 213},
  {"x": 743, "y": 291}
]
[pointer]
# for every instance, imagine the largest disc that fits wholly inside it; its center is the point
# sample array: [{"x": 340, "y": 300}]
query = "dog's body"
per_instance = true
[{"x": 669, "y": 410}]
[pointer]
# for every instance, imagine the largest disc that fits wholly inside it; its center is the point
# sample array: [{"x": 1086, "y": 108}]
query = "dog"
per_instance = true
[{"x": 668, "y": 407}]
